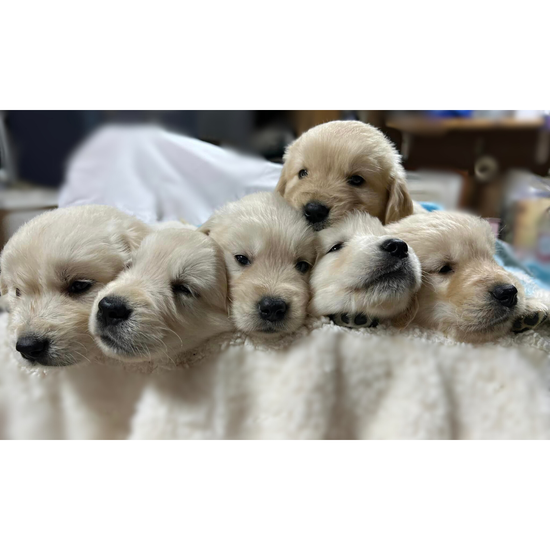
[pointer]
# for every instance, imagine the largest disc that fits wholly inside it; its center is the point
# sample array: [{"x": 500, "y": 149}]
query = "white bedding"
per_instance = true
[
  {"x": 159, "y": 176},
  {"x": 326, "y": 382}
]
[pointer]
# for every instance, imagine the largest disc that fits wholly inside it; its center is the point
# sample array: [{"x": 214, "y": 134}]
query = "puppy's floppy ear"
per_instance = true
[
  {"x": 206, "y": 227},
  {"x": 404, "y": 319},
  {"x": 3, "y": 285},
  {"x": 128, "y": 236},
  {"x": 285, "y": 174},
  {"x": 400, "y": 204}
]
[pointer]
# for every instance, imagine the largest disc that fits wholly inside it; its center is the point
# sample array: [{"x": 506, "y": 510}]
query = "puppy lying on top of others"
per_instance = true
[
  {"x": 464, "y": 292},
  {"x": 342, "y": 166},
  {"x": 363, "y": 275},
  {"x": 269, "y": 249},
  {"x": 52, "y": 270},
  {"x": 172, "y": 298}
]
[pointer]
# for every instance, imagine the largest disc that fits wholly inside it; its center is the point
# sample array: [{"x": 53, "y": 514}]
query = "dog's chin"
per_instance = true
[
  {"x": 492, "y": 326},
  {"x": 390, "y": 285},
  {"x": 116, "y": 348},
  {"x": 266, "y": 329}
]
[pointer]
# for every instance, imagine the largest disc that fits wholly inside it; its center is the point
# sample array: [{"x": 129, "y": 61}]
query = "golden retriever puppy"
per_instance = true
[
  {"x": 172, "y": 298},
  {"x": 362, "y": 275},
  {"x": 341, "y": 166},
  {"x": 464, "y": 292},
  {"x": 269, "y": 250},
  {"x": 52, "y": 270}
]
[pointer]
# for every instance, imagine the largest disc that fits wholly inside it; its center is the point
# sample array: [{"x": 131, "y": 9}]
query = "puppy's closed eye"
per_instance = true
[
  {"x": 181, "y": 289},
  {"x": 80, "y": 287},
  {"x": 356, "y": 180},
  {"x": 336, "y": 247},
  {"x": 447, "y": 268}
]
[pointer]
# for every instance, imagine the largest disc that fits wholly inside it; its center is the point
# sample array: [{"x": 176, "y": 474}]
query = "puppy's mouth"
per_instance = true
[
  {"x": 395, "y": 278},
  {"x": 269, "y": 327},
  {"x": 319, "y": 226},
  {"x": 487, "y": 326},
  {"x": 111, "y": 342},
  {"x": 491, "y": 319}
]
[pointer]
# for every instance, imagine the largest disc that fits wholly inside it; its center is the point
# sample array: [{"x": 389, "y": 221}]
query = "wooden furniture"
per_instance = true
[{"x": 482, "y": 149}]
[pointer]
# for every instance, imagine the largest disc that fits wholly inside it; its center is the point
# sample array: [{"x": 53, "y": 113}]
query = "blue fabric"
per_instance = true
[{"x": 431, "y": 206}]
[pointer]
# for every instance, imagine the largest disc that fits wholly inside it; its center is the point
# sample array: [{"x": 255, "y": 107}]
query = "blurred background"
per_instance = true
[{"x": 493, "y": 163}]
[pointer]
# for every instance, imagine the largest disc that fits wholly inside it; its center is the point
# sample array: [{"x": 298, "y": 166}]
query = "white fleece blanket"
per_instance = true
[{"x": 326, "y": 382}]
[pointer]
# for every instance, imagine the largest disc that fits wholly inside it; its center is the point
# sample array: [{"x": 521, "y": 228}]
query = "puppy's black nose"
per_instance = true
[
  {"x": 316, "y": 212},
  {"x": 396, "y": 247},
  {"x": 113, "y": 310},
  {"x": 272, "y": 309},
  {"x": 32, "y": 348},
  {"x": 507, "y": 295}
]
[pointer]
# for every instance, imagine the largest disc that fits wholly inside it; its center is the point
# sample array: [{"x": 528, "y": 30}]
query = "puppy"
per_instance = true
[
  {"x": 269, "y": 250},
  {"x": 53, "y": 268},
  {"x": 362, "y": 275},
  {"x": 464, "y": 292},
  {"x": 342, "y": 166},
  {"x": 172, "y": 298}
]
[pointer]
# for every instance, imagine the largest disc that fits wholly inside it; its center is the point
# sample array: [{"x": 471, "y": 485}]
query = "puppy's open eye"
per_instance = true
[
  {"x": 180, "y": 288},
  {"x": 336, "y": 247},
  {"x": 302, "y": 267},
  {"x": 356, "y": 180},
  {"x": 447, "y": 268},
  {"x": 17, "y": 292},
  {"x": 79, "y": 287},
  {"x": 243, "y": 260},
  {"x": 302, "y": 173}
]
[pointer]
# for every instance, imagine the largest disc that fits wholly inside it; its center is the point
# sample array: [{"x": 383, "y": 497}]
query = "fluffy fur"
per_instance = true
[
  {"x": 43, "y": 260},
  {"x": 353, "y": 274},
  {"x": 331, "y": 154},
  {"x": 459, "y": 301},
  {"x": 176, "y": 290},
  {"x": 275, "y": 238}
]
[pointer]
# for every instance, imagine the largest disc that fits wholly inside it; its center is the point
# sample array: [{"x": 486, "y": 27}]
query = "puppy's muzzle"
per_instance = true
[
  {"x": 316, "y": 213},
  {"x": 32, "y": 348},
  {"x": 506, "y": 295},
  {"x": 112, "y": 311},
  {"x": 272, "y": 309},
  {"x": 396, "y": 248}
]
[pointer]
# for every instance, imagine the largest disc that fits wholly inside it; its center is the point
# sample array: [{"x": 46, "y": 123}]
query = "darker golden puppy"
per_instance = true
[{"x": 342, "y": 166}]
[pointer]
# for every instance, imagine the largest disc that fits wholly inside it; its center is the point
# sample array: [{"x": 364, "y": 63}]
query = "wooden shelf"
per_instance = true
[{"x": 416, "y": 125}]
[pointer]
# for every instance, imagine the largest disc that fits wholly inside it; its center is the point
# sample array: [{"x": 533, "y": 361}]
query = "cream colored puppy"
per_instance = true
[
  {"x": 465, "y": 293},
  {"x": 172, "y": 298},
  {"x": 342, "y": 166},
  {"x": 269, "y": 250},
  {"x": 52, "y": 270},
  {"x": 362, "y": 275}
]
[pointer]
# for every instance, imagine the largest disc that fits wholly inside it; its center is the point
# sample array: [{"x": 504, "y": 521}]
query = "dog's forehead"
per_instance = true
[
  {"x": 263, "y": 222},
  {"x": 48, "y": 257},
  {"x": 169, "y": 251},
  {"x": 355, "y": 224},
  {"x": 274, "y": 241},
  {"x": 446, "y": 235}
]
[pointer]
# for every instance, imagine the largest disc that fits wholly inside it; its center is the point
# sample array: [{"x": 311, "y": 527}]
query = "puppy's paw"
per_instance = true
[
  {"x": 353, "y": 320},
  {"x": 535, "y": 315}
]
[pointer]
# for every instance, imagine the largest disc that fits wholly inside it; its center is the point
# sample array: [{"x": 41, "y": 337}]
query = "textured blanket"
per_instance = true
[{"x": 325, "y": 382}]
